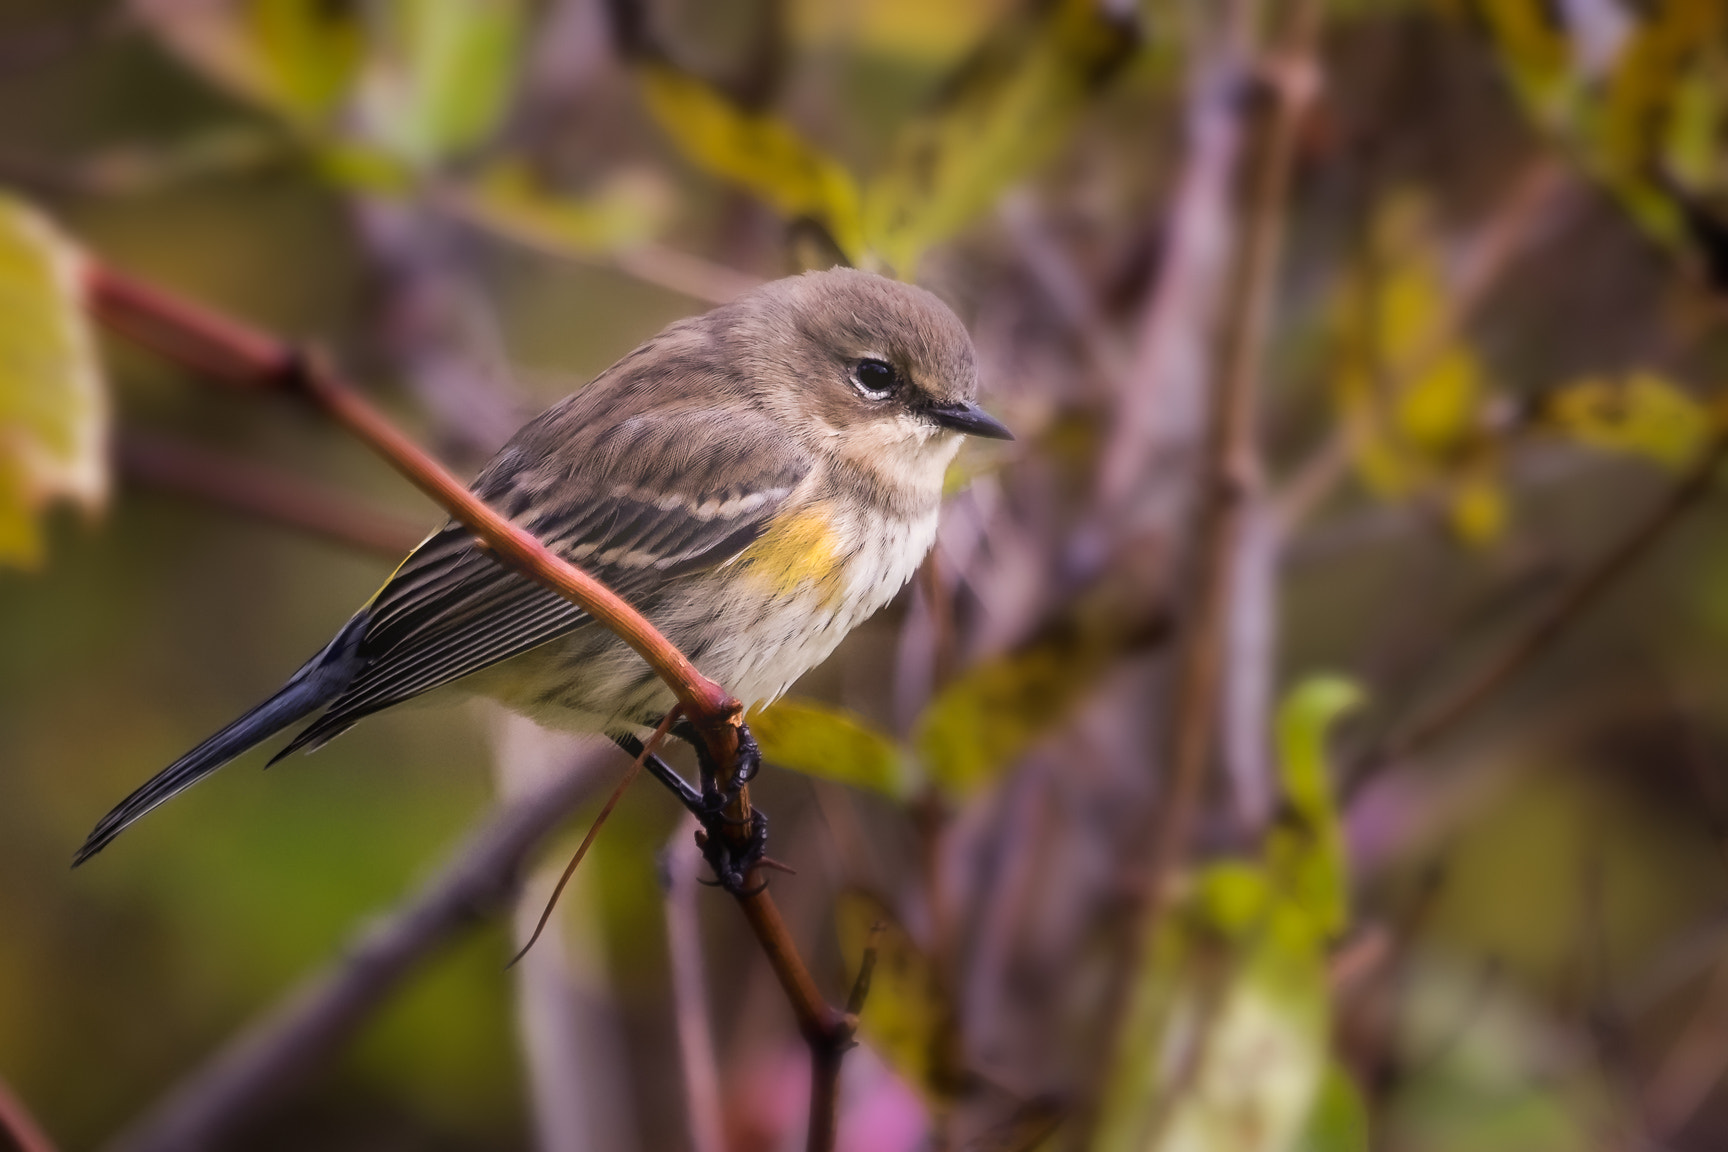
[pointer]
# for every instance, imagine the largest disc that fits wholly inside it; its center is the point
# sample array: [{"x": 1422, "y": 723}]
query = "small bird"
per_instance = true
[{"x": 756, "y": 481}]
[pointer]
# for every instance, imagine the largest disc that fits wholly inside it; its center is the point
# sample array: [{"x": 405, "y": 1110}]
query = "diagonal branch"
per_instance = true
[
  {"x": 1548, "y": 628},
  {"x": 306, "y": 1028},
  {"x": 246, "y": 358}
]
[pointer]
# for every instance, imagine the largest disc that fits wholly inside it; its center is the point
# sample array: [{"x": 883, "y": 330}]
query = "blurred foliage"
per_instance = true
[
  {"x": 1226, "y": 1033},
  {"x": 908, "y": 1018},
  {"x": 53, "y": 408},
  {"x": 1410, "y": 394},
  {"x": 1002, "y": 112}
]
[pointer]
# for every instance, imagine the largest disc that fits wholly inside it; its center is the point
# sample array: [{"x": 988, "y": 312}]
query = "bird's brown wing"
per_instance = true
[{"x": 451, "y": 610}]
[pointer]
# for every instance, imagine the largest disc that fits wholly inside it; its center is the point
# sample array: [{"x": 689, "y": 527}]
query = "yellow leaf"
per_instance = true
[
  {"x": 440, "y": 75},
  {"x": 908, "y": 1019},
  {"x": 625, "y": 211},
  {"x": 1006, "y": 110},
  {"x": 983, "y": 722},
  {"x": 756, "y": 151},
  {"x": 830, "y": 744},
  {"x": 1476, "y": 506},
  {"x": 1410, "y": 400},
  {"x": 53, "y": 410},
  {"x": 1534, "y": 47},
  {"x": 906, "y": 30},
  {"x": 1306, "y": 847},
  {"x": 297, "y": 58},
  {"x": 1643, "y": 415},
  {"x": 1635, "y": 124}
]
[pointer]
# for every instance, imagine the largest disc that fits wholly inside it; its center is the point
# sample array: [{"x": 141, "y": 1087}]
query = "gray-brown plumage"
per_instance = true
[{"x": 756, "y": 481}]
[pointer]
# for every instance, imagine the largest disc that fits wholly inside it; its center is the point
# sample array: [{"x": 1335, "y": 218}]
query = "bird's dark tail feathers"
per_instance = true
[{"x": 319, "y": 681}]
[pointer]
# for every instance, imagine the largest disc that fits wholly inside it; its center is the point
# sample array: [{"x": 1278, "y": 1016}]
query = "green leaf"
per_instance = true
[
  {"x": 1306, "y": 847},
  {"x": 756, "y": 151},
  {"x": 310, "y": 50},
  {"x": 53, "y": 408},
  {"x": 1339, "y": 1120},
  {"x": 831, "y": 744},
  {"x": 1005, "y": 112},
  {"x": 988, "y": 718},
  {"x": 441, "y": 75},
  {"x": 908, "y": 1019},
  {"x": 1642, "y": 414},
  {"x": 1226, "y": 1032},
  {"x": 297, "y": 58},
  {"x": 628, "y": 210}
]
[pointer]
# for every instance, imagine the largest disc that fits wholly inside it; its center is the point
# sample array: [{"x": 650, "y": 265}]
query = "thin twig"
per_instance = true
[
  {"x": 301, "y": 1034},
  {"x": 1548, "y": 628},
  {"x": 256, "y": 493},
  {"x": 19, "y": 1126},
  {"x": 1690, "y": 1070},
  {"x": 623, "y": 786},
  {"x": 702, "y": 1112},
  {"x": 866, "y": 969}
]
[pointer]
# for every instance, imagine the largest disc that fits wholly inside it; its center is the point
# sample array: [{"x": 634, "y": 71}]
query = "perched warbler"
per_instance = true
[{"x": 756, "y": 481}]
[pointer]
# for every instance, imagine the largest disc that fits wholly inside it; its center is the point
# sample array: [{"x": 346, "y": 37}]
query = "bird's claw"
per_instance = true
[
  {"x": 749, "y": 760},
  {"x": 733, "y": 861}
]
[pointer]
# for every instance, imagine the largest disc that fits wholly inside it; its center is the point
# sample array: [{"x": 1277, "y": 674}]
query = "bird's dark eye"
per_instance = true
[{"x": 875, "y": 378}]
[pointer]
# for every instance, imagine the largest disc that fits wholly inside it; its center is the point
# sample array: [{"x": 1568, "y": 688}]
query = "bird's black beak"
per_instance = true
[{"x": 967, "y": 417}]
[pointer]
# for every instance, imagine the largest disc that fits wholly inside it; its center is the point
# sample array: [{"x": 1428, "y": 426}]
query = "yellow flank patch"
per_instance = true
[{"x": 801, "y": 548}]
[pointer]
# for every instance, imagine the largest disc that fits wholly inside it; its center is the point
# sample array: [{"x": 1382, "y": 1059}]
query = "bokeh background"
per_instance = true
[{"x": 1494, "y": 352}]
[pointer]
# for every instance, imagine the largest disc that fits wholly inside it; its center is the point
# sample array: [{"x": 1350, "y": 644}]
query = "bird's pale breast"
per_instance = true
[{"x": 754, "y": 625}]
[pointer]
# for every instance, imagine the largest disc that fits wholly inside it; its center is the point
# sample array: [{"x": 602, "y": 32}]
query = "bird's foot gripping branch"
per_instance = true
[{"x": 734, "y": 834}]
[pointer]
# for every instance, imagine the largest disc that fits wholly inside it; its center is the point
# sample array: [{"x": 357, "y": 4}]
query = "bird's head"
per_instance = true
[{"x": 881, "y": 370}]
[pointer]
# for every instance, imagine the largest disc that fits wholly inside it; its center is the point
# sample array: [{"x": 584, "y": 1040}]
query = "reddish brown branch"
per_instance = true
[
  {"x": 827, "y": 1030},
  {"x": 235, "y": 354}
]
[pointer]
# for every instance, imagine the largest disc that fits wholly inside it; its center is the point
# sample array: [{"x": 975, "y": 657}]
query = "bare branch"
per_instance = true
[
  {"x": 307, "y": 1027},
  {"x": 1230, "y": 469},
  {"x": 1572, "y": 604},
  {"x": 255, "y": 492}
]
